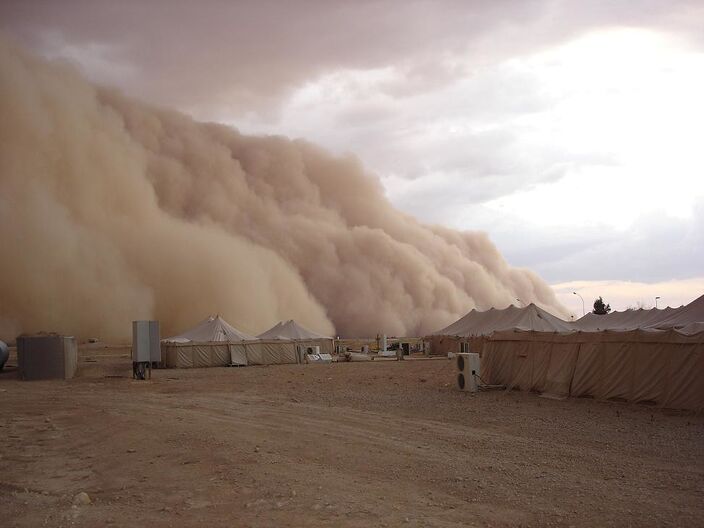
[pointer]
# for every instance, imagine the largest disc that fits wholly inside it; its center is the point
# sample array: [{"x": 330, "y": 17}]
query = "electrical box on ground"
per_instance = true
[
  {"x": 46, "y": 356},
  {"x": 467, "y": 371},
  {"x": 146, "y": 347}
]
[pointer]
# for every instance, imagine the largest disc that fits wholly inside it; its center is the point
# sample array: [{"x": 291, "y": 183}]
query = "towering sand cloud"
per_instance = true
[{"x": 112, "y": 210}]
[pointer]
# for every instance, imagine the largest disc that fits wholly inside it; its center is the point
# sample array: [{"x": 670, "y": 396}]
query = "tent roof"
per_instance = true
[
  {"x": 290, "y": 330},
  {"x": 644, "y": 335},
  {"x": 529, "y": 317},
  {"x": 692, "y": 313},
  {"x": 214, "y": 328},
  {"x": 684, "y": 316},
  {"x": 626, "y": 320},
  {"x": 691, "y": 329}
]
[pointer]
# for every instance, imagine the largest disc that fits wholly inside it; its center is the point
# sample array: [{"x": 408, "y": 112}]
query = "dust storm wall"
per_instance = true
[{"x": 112, "y": 210}]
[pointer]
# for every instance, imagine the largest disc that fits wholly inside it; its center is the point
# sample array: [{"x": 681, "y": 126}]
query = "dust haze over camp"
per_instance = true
[
  {"x": 530, "y": 121},
  {"x": 115, "y": 210}
]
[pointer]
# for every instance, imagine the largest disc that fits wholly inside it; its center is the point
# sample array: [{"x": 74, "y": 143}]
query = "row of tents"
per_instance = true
[
  {"x": 688, "y": 319},
  {"x": 214, "y": 342},
  {"x": 654, "y": 356}
]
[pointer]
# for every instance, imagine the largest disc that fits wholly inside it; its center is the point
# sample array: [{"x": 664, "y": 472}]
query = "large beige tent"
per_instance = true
[
  {"x": 659, "y": 367},
  {"x": 687, "y": 316},
  {"x": 653, "y": 356},
  {"x": 208, "y": 344},
  {"x": 474, "y": 327},
  {"x": 214, "y": 328},
  {"x": 302, "y": 338},
  {"x": 530, "y": 317},
  {"x": 215, "y": 343},
  {"x": 626, "y": 320}
]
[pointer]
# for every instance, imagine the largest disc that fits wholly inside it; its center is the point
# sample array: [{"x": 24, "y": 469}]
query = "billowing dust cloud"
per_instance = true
[{"x": 111, "y": 210}]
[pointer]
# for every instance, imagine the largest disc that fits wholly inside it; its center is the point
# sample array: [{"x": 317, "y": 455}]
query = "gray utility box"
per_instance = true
[
  {"x": 146, "y": 345},
  {"x": 41, "y": 357}
]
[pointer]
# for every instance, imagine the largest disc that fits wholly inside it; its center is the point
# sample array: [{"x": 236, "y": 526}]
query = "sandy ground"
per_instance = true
[{"x": 361, "y": 444}]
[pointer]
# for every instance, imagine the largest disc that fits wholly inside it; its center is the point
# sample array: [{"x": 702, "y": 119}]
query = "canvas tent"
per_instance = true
[
  {"x": 214, "y": 328},
  {"x": 654, "y": 366},
  {"x": 292, "y": 332},
  {"x": 474, "y": 327},
  {"x": 530, "y": 317},
  {"x": 215, "y": 343},
  {"x": 684, "y": 316},
  {"x": 626, "y": 320},
  {"x": 653, "y": 356},
  {"x": 691, "y": 328},
  {"x": 211, "y": 343},
  {"x": 687, "y": 315}
]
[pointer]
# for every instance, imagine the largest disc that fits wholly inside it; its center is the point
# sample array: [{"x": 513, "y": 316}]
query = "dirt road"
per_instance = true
[{"x": 362, "y": 444}]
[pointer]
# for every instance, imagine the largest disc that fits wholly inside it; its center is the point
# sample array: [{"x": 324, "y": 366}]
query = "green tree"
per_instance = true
[{"x": 600, "y": 308}]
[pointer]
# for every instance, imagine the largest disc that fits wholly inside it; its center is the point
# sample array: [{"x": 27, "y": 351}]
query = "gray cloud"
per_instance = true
[
  {"x": 655, "y": 248},
  {"x": 218, "y": 57}
]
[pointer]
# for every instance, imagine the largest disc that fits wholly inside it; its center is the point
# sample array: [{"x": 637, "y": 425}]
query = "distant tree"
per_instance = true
[{"x": 600, "y": 308}]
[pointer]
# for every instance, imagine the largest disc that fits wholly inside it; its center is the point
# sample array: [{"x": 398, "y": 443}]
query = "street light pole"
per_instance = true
[
  {"x": 656, "y": 302},
  {"x": 578, "y": 295}
]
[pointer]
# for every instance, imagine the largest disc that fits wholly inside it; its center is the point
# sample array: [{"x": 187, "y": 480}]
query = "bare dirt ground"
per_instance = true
[{"x": 354, "y": 444}]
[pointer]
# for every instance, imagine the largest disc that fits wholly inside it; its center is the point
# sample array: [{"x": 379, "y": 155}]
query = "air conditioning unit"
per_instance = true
[
  {"x": 467, "y": 371},
  {"x": 315, "y": 350}
]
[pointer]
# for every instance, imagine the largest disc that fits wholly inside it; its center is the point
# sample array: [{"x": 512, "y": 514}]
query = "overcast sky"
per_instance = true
[{"x": 570, "y": 131}]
